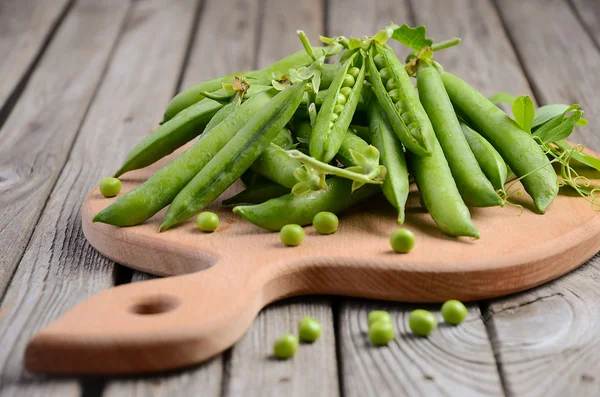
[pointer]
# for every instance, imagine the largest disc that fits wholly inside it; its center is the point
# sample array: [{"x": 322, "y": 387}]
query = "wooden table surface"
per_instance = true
[{"x": 82, "y": 81}]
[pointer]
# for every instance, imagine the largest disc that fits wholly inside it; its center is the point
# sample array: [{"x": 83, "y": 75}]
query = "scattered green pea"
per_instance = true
[
  {"x": 348, "y": 81},
  {"x": 292, "y": 235},
  {"x": 378, "y": 315},
  {"x": 309, "y": 329},
  {"x": 207, "y": 221},
  {"x": 110, "y": 187},
  {"x": 402, "y": 240},
  {"x": 326, "y": 222},
  {"x": 454, "y": 312},
  {"x": 285, "y": 347},
  {"x": 381, "y": 333},
  {"x": 354, "y": 71},
  {"x": 341, "y": 99},
  {"x": 422, "y": 322},
  {"x": 346, "y": 91}
]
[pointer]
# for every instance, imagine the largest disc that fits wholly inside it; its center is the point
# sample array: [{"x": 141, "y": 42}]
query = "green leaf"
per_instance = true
[
  {"x": 354, "y": 43},
  {"x": 547, "y": 112},
  {"x": 583, "y": 158},
  {"x": 524, "y": 112},
  {"x": 582, "y": 122},
  {"x": 545, "y": 130},
  {"x": 502, "y": 98},
  {"x": 415, "y": 38},
  {"x": 563, "y": 130}
]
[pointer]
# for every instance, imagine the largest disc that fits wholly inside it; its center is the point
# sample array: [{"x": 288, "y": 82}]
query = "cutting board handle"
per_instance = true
[{"x": 153, "y": 325}]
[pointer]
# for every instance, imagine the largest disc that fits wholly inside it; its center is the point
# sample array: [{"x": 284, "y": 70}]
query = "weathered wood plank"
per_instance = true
[
  {"x": 546, "y": 339},
  {"x": 589, "y": 12},
  {"x": 59, "y": 268},
  {"x": 550, "y": 41},
  {"x": 454, "y": 360},
  {"x": 224, "y": 42},
  {"x": 235, "y": 41},
  {"x": 25, "y": 28},
  {"x": 39, "y": 133},
  {"x": 251, "y": 370}
]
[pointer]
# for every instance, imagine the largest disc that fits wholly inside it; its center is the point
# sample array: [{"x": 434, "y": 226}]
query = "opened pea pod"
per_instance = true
[
  {"x": 337, "y": 110},
  {"x": 398, "y": 98}
]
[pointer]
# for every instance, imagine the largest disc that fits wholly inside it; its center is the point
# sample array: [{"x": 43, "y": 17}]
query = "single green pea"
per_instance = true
[
  {"x": 309, "y": 329},
  {"x": 354, "y": 71},
  {"x": 348, "y": 81},
  {"x": 391, "y": 85},
  {"x": 338, "y": 108},
  {"x": 378, "y": 315},
  {"x": 326, "y": 222},
  {"x": 379, "y": 61},
  {"x": 454, "y": 312},
  {"x": 334, "y": 117},
  {"x": 422, "y": 322},
  {"x": 110, "y": 187},
  {"x": 207, "y": 221},
  {"x": 285, "y": 347},
  {"x": 381, "y": 333},
  {"x": 386, "y": 74},
  {"x": 346, "y": 91},
  {"x": 341, "y": 99},
  {"x": 331, "y": 125},
  {"x": 407, "y": 117},
  {"x": 292, "y": 235},
  {"x": 402, "y": 240}
]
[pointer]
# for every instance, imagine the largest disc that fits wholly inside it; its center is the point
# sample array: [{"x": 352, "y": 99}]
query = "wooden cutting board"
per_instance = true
[{"x": 223, "y": 279}]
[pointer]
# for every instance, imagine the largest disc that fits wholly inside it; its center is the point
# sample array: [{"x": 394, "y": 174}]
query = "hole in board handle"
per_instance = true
[{"x": 154, "y": 305}]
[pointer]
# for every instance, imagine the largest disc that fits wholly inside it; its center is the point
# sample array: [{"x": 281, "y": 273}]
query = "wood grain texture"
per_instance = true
[
  {"x": 59, "y": 268},
  {"x": 225, "y": 41},
  {"x": 25, "y": 26},
  {"x": 588, "y": 12},
  {"x": 485, "y": 57},
  {"x": 544, "y": 31},
  {"x": 205, "y": 379},
  {"x": 38, "y": 135},
  {"x": 391, "y": 372},
  {"x": 452, "y": 361},
  {"x": 546, "y": 340},
  {"x": 251, "y": 370}
]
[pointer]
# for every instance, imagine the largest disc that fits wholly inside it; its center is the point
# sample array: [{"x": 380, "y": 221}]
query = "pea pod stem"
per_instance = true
[{"x": 325, "y": 168}]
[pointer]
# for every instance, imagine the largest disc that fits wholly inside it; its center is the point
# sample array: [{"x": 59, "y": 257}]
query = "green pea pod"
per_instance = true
[
  {"x": 257, "y": 194},
  {"x": 235, "y": 157},
  {"x": 399, "y": 100},
  {"x": 473, "y": 185},
  {"x": 223, "y": 113},
  {"x": 518, "y": 148},
  {"x": 289, "y": 209},
  {"x": 250, "y": 179},
  {"x": 192, "y": 95},
  {"x": 337, "y": 110},
  {"x": 488, "y": 158},
  {"x": 439, "y": 192},
  {"x": 170, "y": 136},
  {"x": 395, "y": 186},
  {"x": 161, "y": 188},
  {"x": 354, "y": 143},
  {"x": 276, "y": 165}
]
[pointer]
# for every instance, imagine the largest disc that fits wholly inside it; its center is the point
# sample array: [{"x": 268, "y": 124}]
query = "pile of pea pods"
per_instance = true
[{"x": 307, "y": 135}]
